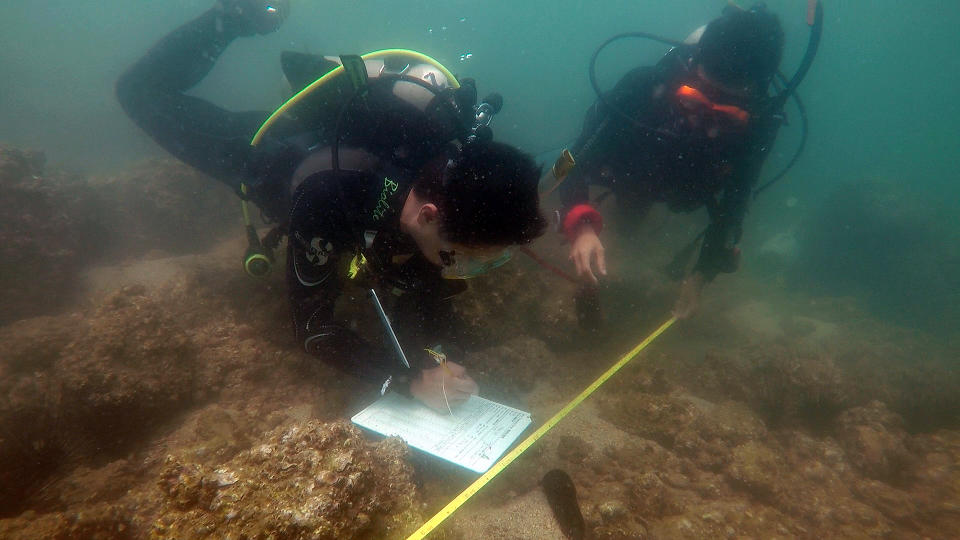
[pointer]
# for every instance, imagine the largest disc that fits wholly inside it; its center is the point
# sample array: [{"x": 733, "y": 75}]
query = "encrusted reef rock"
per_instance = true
[
  {"x": 784, "y": 386},
  {"x": 131, "y": 367},
  {"x": 756, "y": 468},
  {"x": 658, "y": 417},
  {"x": 510, "y": 370},
  {"x": 46, "y": 227},
  {"x": 884, "y": 240},
  {"x": 53, "y": 225},
  {"x": 165, "y": 205},
  {"x": 875, "y": 442},
  {"x": 724, "y": 435},
  {"x": 76, "y": 388},
  {"x": 306, "y": 480},
  {"x": 520, "y": 298},
  {"x": 99, "y": 522}
]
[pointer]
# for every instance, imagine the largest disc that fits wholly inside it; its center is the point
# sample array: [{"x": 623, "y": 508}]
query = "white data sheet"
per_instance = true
[{"x": 474, "y": 437}]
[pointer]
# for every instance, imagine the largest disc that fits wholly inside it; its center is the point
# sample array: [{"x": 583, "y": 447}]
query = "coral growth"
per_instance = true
[{"x": 306, "y": 480}]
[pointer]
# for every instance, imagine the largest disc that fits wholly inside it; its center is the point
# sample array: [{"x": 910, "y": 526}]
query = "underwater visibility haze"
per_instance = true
[{"x": 151, "y": 388}]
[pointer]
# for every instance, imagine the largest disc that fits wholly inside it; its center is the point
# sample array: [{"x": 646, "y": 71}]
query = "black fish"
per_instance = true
[{"x": 562, "y": 496}]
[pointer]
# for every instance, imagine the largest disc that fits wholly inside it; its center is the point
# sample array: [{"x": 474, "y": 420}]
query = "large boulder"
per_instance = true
[
  {"x": 164, "y": 205},
  {"x": 80, "y": 389},
  {"x": 875, "y": 442},
  {"x": 47, "y": 227},
  {"x": 54, "y": 225},
  {"x": 132, "y": 366},
  {"x": 883, "y": 242}
]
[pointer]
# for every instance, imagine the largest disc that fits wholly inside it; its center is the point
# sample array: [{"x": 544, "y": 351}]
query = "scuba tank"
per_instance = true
[{"x": 403, "y": 103}]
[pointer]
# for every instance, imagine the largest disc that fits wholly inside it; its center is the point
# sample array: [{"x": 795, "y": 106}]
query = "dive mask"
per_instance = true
[
  {"x": 694, "y": 99},
  {"x": 464, "y": 264}
]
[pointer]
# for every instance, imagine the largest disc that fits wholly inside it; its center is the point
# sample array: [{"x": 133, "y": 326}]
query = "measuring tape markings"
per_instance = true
[{"x": 506, "y": 460}]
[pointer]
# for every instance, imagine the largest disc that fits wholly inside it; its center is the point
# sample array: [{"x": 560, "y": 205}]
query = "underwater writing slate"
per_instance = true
[{"x": 475, "y": 436}]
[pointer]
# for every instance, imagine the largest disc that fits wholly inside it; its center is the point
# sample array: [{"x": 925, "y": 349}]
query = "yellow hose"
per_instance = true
[{"x": 412, "y": 55}]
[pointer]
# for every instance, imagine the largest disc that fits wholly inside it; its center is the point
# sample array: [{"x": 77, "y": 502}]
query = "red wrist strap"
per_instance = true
[{"x": 581, "y": 213}]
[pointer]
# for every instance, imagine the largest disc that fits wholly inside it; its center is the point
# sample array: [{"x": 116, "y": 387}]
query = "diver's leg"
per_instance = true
[{"x": 212, "y": 139}]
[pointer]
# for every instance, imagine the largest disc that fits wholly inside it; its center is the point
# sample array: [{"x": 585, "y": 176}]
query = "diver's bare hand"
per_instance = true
[
  {"x": 689, "y": 301},
  {"x": 451, "y": 378},
  {"x": 255, "y": 16},
  {"x": 587, "y": 251}
]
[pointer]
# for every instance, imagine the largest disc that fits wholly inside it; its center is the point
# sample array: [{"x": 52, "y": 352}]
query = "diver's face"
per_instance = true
[
  {"x": 460, "y": 261},
  {"x": 421, "y": 220}
]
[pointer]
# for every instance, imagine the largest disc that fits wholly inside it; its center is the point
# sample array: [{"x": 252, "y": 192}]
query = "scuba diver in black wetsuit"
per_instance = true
[
  {"x": 385, "y": 176},
  {"x": 698, "y": 124}
]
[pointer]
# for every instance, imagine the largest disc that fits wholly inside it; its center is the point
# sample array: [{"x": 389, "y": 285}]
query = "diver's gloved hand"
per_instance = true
[
  {"x": 445, "y": 385},
  {"x": 248, "y": 17}
]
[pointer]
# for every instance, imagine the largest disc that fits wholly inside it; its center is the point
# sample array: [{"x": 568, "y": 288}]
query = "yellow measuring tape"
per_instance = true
[{"x": 506, "y": 460}]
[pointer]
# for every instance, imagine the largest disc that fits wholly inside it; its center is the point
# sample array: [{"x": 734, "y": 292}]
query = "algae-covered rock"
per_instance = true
[
  {"x": 96, "y": 522},
  {"x": 53, "y": 225},
  {"x": 84, "y": 388},
  {"x": 756, "y": 468},
  {"x": 875, "y": 442},
  {"x": 164, "y": 205},
  {"x": 132, "y": 365},
  {"x": 46, "y": 230},
  {"x": 658, "y": 417},
  {"x": 304, "y": 480}
]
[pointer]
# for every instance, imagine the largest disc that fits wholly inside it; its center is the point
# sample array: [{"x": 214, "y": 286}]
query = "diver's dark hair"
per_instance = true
[
  {"x": 487, "y": 196},
  {"x": 742, "y": 47}
]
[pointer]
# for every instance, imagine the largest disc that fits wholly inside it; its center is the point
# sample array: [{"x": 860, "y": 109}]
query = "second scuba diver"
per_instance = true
[
  {"x": 386, "y": 177},
  {"x": 691, "y": 131}
]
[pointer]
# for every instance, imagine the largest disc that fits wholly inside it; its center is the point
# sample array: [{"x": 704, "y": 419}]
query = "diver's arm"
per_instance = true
[
  {"x": 580, "y": 222},
  {"x": 313, "y": 292},
  {"x": 598, "y": 145},
  {"x": 207, "y": 137},
  {"x": 719, "y": 253},
  {"x": 574, "y": 191},
  {"x": 319, "y": 239}
]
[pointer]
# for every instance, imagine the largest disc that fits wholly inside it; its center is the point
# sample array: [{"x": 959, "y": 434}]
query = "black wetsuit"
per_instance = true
[
  {"x": 662, "y": 158},
  {"x": 335, "y": 217}
]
